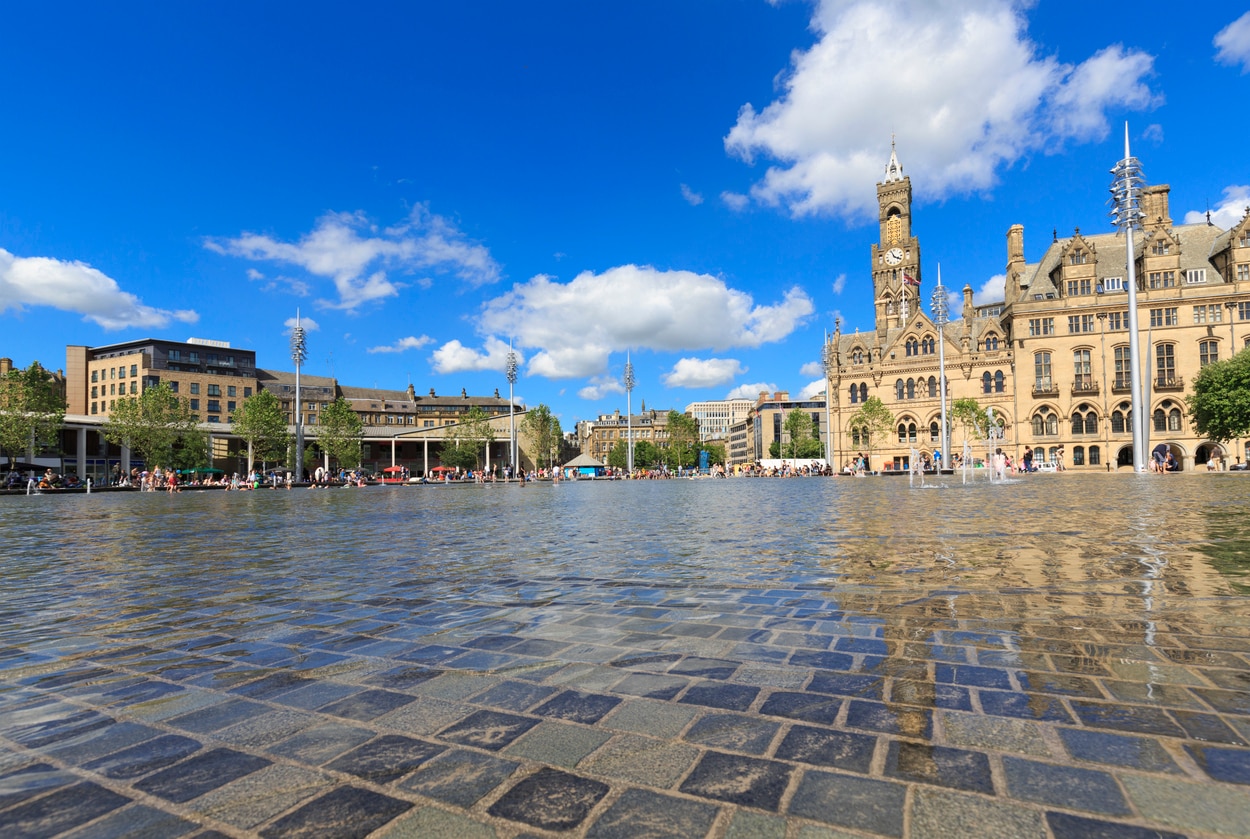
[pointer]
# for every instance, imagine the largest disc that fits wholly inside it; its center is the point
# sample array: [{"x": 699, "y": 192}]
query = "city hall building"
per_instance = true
[{"x": 1052, "y": 357}]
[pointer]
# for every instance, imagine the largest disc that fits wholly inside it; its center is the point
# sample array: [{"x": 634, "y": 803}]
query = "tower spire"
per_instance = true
[{"x": 893, "y": 169}]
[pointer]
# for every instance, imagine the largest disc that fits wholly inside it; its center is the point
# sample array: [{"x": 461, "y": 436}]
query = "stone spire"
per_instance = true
[{"x": 893, "y": 169}]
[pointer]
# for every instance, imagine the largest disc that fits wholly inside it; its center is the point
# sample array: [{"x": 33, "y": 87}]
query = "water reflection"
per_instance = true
[{"x": 1091, "y": 537}]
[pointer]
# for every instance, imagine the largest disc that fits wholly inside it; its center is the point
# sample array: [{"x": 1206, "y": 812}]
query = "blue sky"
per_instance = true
[{"x": 689, "y": 181}]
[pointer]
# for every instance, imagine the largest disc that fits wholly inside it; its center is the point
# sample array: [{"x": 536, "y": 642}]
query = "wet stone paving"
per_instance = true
[{"x": 244, "y": 700}]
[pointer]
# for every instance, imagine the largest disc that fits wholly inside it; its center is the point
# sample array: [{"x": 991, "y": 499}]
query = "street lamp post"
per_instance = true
[
  {"x": 827, "y": 360},
  {"x": 629, "y": 415},
  {"x": 299, "y": 352},
  {"x": 511, "y": 370},
  {"x": 1126, "y": 214},
  {"x": 941, "y": 312}
]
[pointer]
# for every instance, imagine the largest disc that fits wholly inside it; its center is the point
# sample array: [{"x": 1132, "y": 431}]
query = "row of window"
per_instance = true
[
  {"x": 1117, "y": 321},
  {"x": 98, "y": 375},
  {"x": 1084, "y": 420},
  {"x": 909, "y": 390}
]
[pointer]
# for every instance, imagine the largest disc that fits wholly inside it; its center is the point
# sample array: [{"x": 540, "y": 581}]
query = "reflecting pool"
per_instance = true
[{"x": 1053, "y": 653}]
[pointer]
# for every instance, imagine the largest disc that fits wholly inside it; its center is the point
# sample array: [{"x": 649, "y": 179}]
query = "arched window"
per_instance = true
[
  {"x": 1084, "y": 420},
  {"x": 1041, "y": 370},
  {"x": 854, "y": 394},
  {"x": 1121, "y": 418},
  {"x": 1095, "y": 456},
  {"x": 1080, "y": 361},
  {"x": 1091, "y": 423},
  {"x": 913, "y": 347},
  {"x": 1160, "y": 420},
  {"x": 987, "y": 383},
  {"x": 857, "y": 356},
  {"x": 927, "y": 345},
  {"x": 899, "y": 389},
  {"x": 1165, "y": 364},
  {"x": 933, "y": 383},
  {"x": 859, "y": 436},
  {"x": 911, "y": 432},
  {"x": 1174, "y": 419},
  {"x": 935, "y": 432},
  {"x": 863, "y": 392},
  {"x": 999, "y": 382},
  {"x": 1123, "y": 379},
  {"x": 1078, "y": 455},
  {"x": 1208, "y": 352},
  {"x": 991, "y": 343},
  {"x": 1045, "y": 423},
  {"x": 911, "y": 388}
]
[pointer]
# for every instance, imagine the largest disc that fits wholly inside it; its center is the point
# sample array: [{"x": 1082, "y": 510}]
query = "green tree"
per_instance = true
[
  {"x": 715, "y": 453},
  {"x": 803, "y": 442},
  {"x": 874, "y": 421},
  {"x": 1219, "y": 407},
  {"x": 968, "y": 414},
  {"x": 159, "y": 426},
  {"x": 683, "y": 436},
  {"x": 31, "y": 410},
  {"x": 261, "y": 423},
  {"x": 542, "y": 428},
  {"x": 473, "y": 434},
  {"x": 339, "y": 434}
]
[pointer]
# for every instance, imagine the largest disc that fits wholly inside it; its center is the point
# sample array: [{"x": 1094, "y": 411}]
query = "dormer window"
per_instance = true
[
  {"x": 1078, "y": 257},
  {"x": 1161, "y": 247},
  {"x": 1244, "y": 241}
]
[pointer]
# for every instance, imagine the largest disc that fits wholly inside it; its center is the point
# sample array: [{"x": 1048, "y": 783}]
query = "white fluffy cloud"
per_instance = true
[
  {"x": 403, "y": 345},
  {"x": 307, "y": 323},
  {"x": 991, "y": 291},
  {"x": 1233, "y": 43},
  {"x": 356, "y": 255},
  {"x": 812, "y": 368},
  {"x": 601, "y": 386},
  {"x": 703, "y": 372},
  {"x": 960, "y": 82},
  {"x": 455, "y": 357},
  {"x": 691, "y": 197},
  {"x": 77, "y": 287},
  {"x": 751, "y": 391},
  {"x": 735, "y": 201},
  {"x": 1226, "y": 213},
  {"x": 574, "y": 327},
  {"x": 812, "y": 389},
  {"x": 839, "y": 284}
]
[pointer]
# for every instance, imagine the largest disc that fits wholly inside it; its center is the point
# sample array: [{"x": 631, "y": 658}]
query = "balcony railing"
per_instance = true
[
  {"x": 1162, "y": 383},
  {"x": 1121, "y": 384},
  {"x": 1045, "y": 387},
  {"x": 1085, "y": 388}
]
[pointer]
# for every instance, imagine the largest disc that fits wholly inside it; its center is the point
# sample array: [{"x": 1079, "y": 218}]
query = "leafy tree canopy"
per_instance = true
[
  {"x": 874, "y": 418},
  {"x": 473, "y": 434},
  {"x": 159, "y": 426},
  {"x": 542, "y": 429},
  {"x": 261, "y": 422},
  {"x": 683, "y": 436},
  {"x": 31, "y": 409},
  {"x": 339, "y": 434},
  {"x": 1219, "y": 407}
]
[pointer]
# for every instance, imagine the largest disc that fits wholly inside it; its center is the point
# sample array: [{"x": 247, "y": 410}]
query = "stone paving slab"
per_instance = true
[{"x": 575, "y": 705}]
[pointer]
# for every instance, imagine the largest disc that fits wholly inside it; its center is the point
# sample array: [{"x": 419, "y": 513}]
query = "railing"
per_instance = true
[
  {"x": 1169, "y": 383},
  {"x": 1085, "y": 388},
  {"x": 1121, "y": 384},
  {"x": 1045, "y": 387}
]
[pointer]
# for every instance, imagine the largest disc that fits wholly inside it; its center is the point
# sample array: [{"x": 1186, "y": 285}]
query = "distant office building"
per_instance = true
[{"x": 717, "y": 416}]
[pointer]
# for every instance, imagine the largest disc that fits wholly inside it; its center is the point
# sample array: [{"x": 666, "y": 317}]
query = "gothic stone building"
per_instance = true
[{"x": 1051, "y": 358}]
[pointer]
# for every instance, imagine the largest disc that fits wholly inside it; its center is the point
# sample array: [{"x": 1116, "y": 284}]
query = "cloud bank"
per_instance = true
[
  {"x": 966, "y": 90},
  {"x": 77, "y": 287}
]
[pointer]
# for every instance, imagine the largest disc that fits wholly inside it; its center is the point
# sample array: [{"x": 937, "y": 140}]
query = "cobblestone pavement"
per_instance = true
[
  {"x": 628, "y": 710},
  {"x": 232, "y": 704}
]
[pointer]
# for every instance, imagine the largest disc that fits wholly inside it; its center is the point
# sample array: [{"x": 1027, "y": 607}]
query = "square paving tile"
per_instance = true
[
  {"x": 490, "y": 730},
  {"x": 850, "y": 801},
  {"x": 321, "y": 743},
  {"x": 1137, "y": 719},
  {"x": 346, "y": 812},
  {"x": 385, "y": 759},
  {"x": 824, "y": 747},
  {"x": 1029, "y": 706},
  {"x": 1064, "y": 786},
  {"x": 724, "y": 696},
  {"x": 1229, "y": 765},
  {"x": 199, "y": 774},
  {"x": 512, "y": 695},
  {"x": 576, "y": 706},
  {"x": 939, "y": 765},
  {"x": 1127, "y": 750},
  {"x": 60, "y": 811},
  {"x": 258, "y": 797},
  {"x": 550, "y": 800},
  {"x": 651, "y": 685},
  {"x": 1069, "y": 826},
  {"x": 459, "y": 777},
  {"x": 558, "y": 743},
  {"x": 734, "y": 732},
  {"x": 640, "y": 813},
  {"x": 367, "y": 705},
  {"x": 891, "y": 719},
  {"x": 142, "y": 758},
  {"x": 746, "y": 781},
  {"x": 642, "y": 760}
]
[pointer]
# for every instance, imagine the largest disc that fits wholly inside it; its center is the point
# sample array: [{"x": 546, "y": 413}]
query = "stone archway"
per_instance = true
[
  {"x": 1124, "y": 457},
  {"x": 1210, "y": 456}
]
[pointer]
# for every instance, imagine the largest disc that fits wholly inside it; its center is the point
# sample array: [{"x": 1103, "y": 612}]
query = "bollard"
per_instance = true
[{"x": 88, "y": 486}]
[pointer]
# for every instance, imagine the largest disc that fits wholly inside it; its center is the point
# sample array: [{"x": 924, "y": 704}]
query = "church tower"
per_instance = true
[{"x": 896, "y": 257}]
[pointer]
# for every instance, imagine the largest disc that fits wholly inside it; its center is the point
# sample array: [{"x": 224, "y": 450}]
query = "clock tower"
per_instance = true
[{"x": 896, "y": 258}]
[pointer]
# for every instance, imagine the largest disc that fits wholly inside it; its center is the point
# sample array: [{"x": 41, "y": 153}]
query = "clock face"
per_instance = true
[{"x": 894, "y": 256}]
